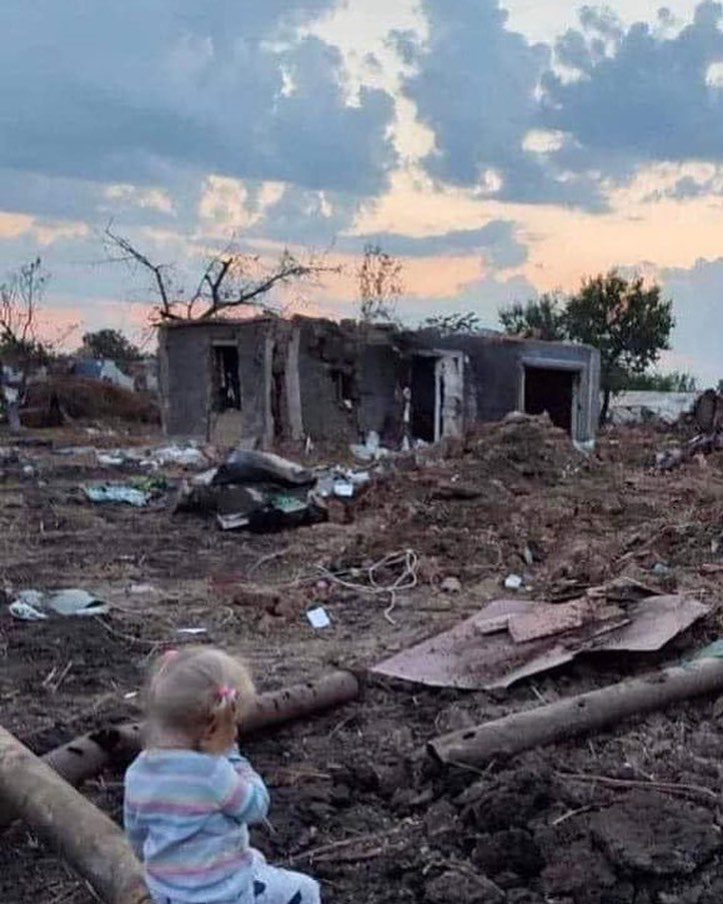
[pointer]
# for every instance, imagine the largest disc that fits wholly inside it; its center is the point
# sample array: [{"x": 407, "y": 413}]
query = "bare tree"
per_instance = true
[
  {"x": 19, "y": 299},
  {"x": 229, "y": 280},
  {"x": 20, "y": 296},
  {"x": 380, "y": 284}
]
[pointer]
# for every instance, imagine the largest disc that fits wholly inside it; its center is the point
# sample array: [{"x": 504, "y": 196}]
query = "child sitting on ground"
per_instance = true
[{"x": 190, "y": 796}]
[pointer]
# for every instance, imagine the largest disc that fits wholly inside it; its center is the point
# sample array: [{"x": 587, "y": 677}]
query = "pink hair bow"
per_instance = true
[{"x": 227, "y": 694}]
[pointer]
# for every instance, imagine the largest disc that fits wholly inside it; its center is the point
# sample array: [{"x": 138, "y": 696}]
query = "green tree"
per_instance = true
[
  {"x": 380, "y": 284},
  {"x": 675, "y": 381},
  {"x": 543, "y": 318},
  {"x": 629, "y": 323},
  {"x": 110, "y": 344}
]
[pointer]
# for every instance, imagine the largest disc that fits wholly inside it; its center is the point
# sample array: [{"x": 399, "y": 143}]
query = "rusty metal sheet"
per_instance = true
[
  {"x": 654, "y": 622},
  {"x": 469, "y": 657},
  {"x": 548, "y": 619}
]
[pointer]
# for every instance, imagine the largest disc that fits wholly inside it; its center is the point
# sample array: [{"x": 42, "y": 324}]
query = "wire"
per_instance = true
[{"x": 407, "y": 561}]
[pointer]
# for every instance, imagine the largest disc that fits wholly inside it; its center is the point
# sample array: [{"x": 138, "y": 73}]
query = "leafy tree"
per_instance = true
[
  {"x": 449, "y": 324},
  {"x": 675, "y": 381},
  {"x": 111, "y": 344},
  {"x": 543, "y": 318},
  {"x": 380, "y": 284},
  {"x": 628, "y": 323}
]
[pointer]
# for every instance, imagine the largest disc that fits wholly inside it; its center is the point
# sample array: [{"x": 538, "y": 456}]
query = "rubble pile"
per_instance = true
[
  {"x": 58, "y": 400},
  {"x": 468, "y": 504}
]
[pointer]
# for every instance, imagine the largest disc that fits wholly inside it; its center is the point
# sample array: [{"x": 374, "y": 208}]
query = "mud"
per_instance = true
[{"x": 629, "y": 816}]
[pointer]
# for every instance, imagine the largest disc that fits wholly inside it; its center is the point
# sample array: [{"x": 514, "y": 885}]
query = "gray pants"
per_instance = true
[{"x": 274, "y": 885}]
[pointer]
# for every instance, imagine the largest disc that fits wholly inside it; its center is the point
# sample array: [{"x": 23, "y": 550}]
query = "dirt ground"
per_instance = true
[{"x": 629, "y": 816}]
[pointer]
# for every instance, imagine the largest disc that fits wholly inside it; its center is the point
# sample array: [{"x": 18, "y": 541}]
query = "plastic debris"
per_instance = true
[
  {"x": 33, "y": 605},
  {"x": 182, "y": 456},
  {"x": 245, "y": 467},
  {"x": 513, "y": 582},
  {"x": 111, "y": 460},
  {"x": 186, "y": 456},
  {"x": 371, "y": 450},
  {"x": 26, "y": 612},
  {"x": 232, "y": 522},
  {"x": 119, "y": 494},
  {"x": 191, "y": 632},
  {"x": 319, "y": 618}
]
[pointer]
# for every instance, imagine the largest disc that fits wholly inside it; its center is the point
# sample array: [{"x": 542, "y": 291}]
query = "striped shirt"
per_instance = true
[{"x": 186, "y": 815}]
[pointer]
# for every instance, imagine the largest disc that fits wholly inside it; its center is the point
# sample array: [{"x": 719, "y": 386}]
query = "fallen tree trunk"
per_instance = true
[
  {"x": 90, "y": 842},
  {"x": 577, "y": 715},
  {"x": 88, "y": 755}
]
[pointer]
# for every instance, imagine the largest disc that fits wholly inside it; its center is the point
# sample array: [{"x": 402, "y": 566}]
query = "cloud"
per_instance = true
[
  {"x": 475, "y": 85},
  {"x": 639, "y": 94},
  {"x": 119, "y": 92},
  {"x": 484, "y": 297},
  {"x": 496, "y": 242},
  {"x": 696, "y": 294}
]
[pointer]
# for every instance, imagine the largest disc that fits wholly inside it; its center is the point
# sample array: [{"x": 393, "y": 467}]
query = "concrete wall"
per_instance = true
[
  {"x": 375, "y": 362},
  {"x": 640, "y": 406},
  {"x": 496, "y": 368},
  {"x": 185, "y": 358}
]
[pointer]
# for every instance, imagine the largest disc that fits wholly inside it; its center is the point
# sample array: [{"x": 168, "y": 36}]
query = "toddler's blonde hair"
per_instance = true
[{"x": 189, "y": 687}]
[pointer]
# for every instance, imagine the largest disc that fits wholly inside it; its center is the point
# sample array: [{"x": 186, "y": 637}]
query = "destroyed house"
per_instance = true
[{"x": 267, "y": 380}]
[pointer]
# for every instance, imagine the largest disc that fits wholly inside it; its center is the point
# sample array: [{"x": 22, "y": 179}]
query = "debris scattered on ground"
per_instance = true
[
  {"x": 34, "y": 605},
  {"x": 361, "y": 807},
  {"x": 256, "y": 491},
  {"x": 318, "y": 618},
  {"x": 117, "y": 493},
  {"x": 188, "y": 457},
  {"x": 514, "y": 639},
  {"x": 243, "y": 467},
  {"x": 699, "y": 445}
]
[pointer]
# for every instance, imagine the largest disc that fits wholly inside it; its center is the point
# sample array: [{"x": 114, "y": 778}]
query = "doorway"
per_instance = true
[
  {"x": 423, "y": 398},
  {"x": 437, "y": 384},
  {"x": 226, "y": 380},
  {"x": 554, "y": 391}
]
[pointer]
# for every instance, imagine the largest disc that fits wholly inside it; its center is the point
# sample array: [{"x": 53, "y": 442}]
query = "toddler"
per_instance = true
[{"x": 190, "y": 796}]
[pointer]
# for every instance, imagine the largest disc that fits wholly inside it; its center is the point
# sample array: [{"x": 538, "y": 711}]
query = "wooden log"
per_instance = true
[
  {"x": 88, "y": 755},
  {"x": 290, "y": 703},
  {"x": 87, "y": 839},
  {"x": 573, "y": 716}
]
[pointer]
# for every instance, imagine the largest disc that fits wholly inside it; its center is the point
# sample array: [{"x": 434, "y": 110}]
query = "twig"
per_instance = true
[
  {"x": 571, "y": 814},
  {"x": 352, "y": 857},
  {"x": 63, "y": 675},
  {"x": 265, "y": 559},
  {"x": 345, "y": 843},
  {"x": 341, "y": 725},
  {"x": 666, "y": 787},
  {"x": 129, "y": 638}
]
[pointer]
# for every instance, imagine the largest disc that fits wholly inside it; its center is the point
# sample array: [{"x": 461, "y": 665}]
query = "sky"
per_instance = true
[{"x": 499, "y": 148}]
